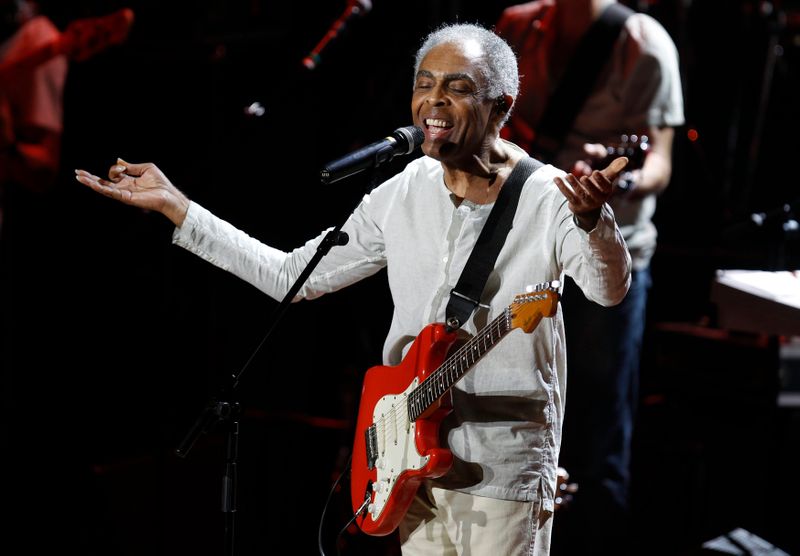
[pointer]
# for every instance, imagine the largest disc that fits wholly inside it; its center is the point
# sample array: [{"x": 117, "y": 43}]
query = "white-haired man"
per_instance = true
[{"x": 421, "y": 225}]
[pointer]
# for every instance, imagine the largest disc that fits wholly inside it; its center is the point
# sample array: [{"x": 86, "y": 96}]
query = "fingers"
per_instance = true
[
  {"x": 117, "y": 191},
  {"x": 585, "y": 195},
  {"x": 135, "y": 169},
  {"x": 98, "y": 184},
  {"x": 598, "y": 186},
  {"x": 567, "y": 191},
  {"x": 93, "y": 181},
  {"x": 87, "y": 178},
  {"x": 117, "y": 171},
  {"x": 122, "y": 169},
  {"x": 584, "y": 192},
  {"x": 613, "y": 170}
]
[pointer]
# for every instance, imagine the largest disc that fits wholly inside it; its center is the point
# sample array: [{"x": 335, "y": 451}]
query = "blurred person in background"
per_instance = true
[{"x": 629, "y": 65}]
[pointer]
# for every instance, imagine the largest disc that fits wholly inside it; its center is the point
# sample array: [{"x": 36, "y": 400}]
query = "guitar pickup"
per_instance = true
[{"x": 371, "y": 440}]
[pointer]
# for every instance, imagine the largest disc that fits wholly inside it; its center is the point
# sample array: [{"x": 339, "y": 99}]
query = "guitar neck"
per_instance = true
[
  {"x": 456, "y": 366},
  {"x": 82, "y": 39}
]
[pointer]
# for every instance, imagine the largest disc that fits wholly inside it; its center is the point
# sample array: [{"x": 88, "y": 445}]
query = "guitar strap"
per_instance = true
[
  {"x": 579, "y": 78},
  {"x": 467, "y": 293}
]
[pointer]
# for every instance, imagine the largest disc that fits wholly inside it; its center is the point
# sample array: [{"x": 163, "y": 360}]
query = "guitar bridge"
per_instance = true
[{"x": 371, "y": 440}]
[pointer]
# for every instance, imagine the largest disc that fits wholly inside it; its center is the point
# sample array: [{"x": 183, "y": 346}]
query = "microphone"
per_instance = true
[
  {"x": 403, "y": 140},
  {"x": 354, "y": 8}
]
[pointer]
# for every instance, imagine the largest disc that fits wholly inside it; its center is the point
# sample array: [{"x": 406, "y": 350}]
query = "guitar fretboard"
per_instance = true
[{"x": 456, "y": 366}]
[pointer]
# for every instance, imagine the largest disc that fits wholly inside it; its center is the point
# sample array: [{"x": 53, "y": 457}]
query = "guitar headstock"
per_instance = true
[
  {"x": 537, "y": 302},
  {"x": 635, "y": 148}
]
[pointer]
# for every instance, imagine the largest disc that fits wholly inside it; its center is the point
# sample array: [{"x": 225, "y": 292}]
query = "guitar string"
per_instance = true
[{"x": 539, "y": 294}]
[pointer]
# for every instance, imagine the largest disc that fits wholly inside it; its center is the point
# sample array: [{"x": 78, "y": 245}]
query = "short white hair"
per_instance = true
[{"x": 499, "y": 66}]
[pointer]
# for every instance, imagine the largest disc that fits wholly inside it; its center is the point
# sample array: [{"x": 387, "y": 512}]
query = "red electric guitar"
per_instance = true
[{"x": 396, "y": 437}]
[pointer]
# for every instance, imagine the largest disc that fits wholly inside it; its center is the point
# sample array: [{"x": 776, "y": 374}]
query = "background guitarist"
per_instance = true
[
  {"x": 31, "y": 121},
  {"x": 34, "y": 62},
  {"x": 31, "y": 126},
  {"x": 34, "y": 58},
  {"x": 420, "y": 226},
  {"x": 637, "y": 91}
]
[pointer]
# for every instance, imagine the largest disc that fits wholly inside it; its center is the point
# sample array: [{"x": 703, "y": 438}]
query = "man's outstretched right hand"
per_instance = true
[{"x": 142, "y": 185}]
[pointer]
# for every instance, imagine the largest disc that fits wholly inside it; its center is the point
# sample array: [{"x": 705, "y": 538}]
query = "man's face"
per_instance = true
[{"x": 449, "y": 103}]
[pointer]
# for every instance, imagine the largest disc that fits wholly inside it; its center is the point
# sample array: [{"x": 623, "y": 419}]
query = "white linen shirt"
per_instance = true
[{"x": 505, "y": 427}]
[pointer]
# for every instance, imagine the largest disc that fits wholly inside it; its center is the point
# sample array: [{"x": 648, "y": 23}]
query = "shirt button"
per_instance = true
[{"x": 445, "y": 259}]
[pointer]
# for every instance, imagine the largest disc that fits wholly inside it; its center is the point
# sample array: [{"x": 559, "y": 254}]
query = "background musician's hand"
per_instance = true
[{"x": 565, "y": 491}]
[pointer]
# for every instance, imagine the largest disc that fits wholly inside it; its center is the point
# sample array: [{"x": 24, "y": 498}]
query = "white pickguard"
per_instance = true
[{"x": 397, "y": 451}]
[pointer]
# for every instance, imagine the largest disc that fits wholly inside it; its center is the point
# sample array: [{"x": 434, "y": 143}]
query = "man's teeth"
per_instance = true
[{"x": 437, "y": 123}]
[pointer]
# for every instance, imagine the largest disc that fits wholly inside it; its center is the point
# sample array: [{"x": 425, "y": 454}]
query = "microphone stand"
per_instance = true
[
  {"x": 224, "y": 412},
  {"x": 354, "y": 8}
]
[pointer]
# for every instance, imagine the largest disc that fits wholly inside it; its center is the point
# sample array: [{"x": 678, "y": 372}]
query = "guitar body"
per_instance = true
[{"x": 407, "y": 449}]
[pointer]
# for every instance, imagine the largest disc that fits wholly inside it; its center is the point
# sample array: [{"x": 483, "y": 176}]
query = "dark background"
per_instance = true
[{"x": 119, "y": 339}]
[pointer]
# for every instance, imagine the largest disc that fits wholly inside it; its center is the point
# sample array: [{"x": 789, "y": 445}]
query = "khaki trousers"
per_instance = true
[{"x": 449, "y": 523}]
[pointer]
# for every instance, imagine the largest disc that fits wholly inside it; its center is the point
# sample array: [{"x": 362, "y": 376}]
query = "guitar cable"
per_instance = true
[
  {"x": 343, "y": 529},
  {"x": 325, "y": 509}
]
